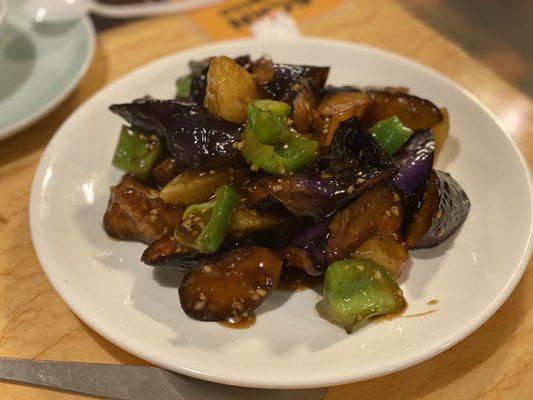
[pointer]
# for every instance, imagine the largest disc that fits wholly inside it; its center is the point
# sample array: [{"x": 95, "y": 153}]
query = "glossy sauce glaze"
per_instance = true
[
  {"x": 295, "y": 280},
  {"x": 242, "y": 323}
]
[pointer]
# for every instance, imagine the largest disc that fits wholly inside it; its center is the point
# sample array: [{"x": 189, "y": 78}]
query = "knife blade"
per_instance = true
[{"x": 133, "y": 382}]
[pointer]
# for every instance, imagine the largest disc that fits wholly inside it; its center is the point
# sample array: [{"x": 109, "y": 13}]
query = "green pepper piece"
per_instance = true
[
  {"x": 356, "y": 290},
  {"x": 213, "y": 234},
  {"x": 269, "y": 143},
  {"x": 136, "y": 152},
  {"x": 296, "y": 153},
  {"x": 268, "y": 119},
  {"x": 391, "y": 134},
  {"x": 183, "y": 87}
]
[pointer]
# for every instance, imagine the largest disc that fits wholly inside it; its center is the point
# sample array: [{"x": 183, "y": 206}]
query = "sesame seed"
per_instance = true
[
  {"x": 350, "y": 189},
  {"x": 281, "y": 169},
  {"x": 388, "y": 213},
  {"x": 202, "y": 296},
  {"x": 212, "y": 171},
  {"x": 360, "y": 180},
  {"x": 142, "y": 137},
  {"x": 236, "y": 305},
  {"x": 377, "y": 275},
  {"x": 359, "y": 317},
  {"x": 240, "y": 145},
  {"x": 199, "y": 305},
  {"x": 254, "y": 167},
  {"x": 360, "y": 268},
  {"x": 439, "y": 214},
  {"x": 440, "y": 232},
  {"x": 396, "y": 197},
  {"x": 235, "y": 145},
  {"x": 153, "y": 217},
  {"x": 197, "y": 219},
  {"x": 207, "y": 269},
  {"x": 395, "y": 210},
  {"x": 261, "y": 292},
  {"x": 255, "y": 297},
  {"x": 277, "y": 188}
]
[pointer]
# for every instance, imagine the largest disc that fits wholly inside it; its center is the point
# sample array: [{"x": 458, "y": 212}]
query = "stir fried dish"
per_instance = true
[{"x": 259, "y": 171}]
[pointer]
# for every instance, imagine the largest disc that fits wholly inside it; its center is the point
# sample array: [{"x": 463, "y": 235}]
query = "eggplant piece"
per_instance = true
[
  {"x": 414, "y": 162},
  {"x": 286, "y": 76},
  {"x": 167, "y": 252},
  {"x": 232, "y": 286},
  {"x": 335, "y": 108},
  {"x": 376, "y": 211},
  {"x": 414, "y": 112},
  {"x": 440, "y": 131},
  {"x": 199, "y": 76},
  {"x": 386, "y": 250},
  {"x": 193, "y": 187},
  {"x": 444, "y": 209},
  {"x": 193, "y": 136},
  {"x": 351, "y": 148},
  {"x": 307, "y": 194},
  {"x": 307, "y": 250},
  {"x": 163, "y": 172},
  {"x": 136, "y": 212}
]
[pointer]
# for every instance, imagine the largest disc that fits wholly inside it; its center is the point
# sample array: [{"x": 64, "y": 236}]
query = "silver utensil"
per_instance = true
[{"x": 132, "y": 382}]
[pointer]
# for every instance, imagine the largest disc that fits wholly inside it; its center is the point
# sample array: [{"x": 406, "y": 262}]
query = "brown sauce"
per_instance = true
[
  {"x": 433, "y": 302},
  {"x": 295, "y": 280},
  {"x": 241, "y": 323},
  {"x": 389, "y": 317},
  {"x": 428, "y": 312}
]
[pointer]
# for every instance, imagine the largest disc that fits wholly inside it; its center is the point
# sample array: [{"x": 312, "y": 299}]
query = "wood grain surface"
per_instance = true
[{"x": 495, "y": 362}]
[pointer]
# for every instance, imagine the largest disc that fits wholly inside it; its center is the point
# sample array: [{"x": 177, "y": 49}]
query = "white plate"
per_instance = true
[
  {"x": 137, "y": 308},
  {"x": 40, "y": 65}
]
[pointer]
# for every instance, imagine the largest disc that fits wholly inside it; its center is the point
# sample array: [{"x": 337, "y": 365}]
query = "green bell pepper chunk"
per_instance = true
[
  {"x": 136, "y": 152},
  {"x": 269, "y": 143},
  {"x": 268, "y": 119},
  {"x": 391, "y": 134},
  {"x": 222, "y": 207},
  {"x": 356, "y": 290},
  {"x": 183, "y": 87},
  {"x": 293, "y": 155}
]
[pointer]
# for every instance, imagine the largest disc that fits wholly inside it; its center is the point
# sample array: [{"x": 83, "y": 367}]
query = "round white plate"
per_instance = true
[
  {"x": 40, "y": 65},
  {"x": 137, "y": 308}
]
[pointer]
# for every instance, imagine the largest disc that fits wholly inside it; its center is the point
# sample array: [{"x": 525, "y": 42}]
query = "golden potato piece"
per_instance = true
[{"x": 230, "y": 88}]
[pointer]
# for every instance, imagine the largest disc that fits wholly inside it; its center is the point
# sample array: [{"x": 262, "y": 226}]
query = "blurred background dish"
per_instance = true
[
  {"x": 3, "y": 13},
  {"x": 40, "y": 64}
]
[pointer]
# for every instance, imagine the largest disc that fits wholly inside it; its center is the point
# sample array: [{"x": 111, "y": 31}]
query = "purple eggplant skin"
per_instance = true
[
  {"x": 414, "y": 162},
  {"x": 453, "y": 206},
  {"x": 352, "y": 147},
  {"x": 286, "y": 76},
  {"x": 192, "y": 135},
  {"x": 313, "y": 241},
  {"x": 307, "y": 194},
  {"x": 199, "y": 76}
]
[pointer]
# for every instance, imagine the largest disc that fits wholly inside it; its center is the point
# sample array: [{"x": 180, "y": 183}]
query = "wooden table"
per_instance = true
[{"x": 495, "y": 362}]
